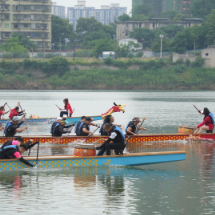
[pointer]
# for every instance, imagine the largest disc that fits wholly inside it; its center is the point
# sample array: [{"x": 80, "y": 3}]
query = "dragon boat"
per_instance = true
[
  {"x": 133, "y": 159},
  {"x": 71, "y": 120},
  {"x": 100, "y": 139}
]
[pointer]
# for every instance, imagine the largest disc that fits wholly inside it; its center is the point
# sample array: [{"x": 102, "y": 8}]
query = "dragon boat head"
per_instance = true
[{"x": 115, "y": 108}]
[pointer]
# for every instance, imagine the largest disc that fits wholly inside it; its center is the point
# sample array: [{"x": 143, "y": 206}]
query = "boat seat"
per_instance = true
[{"x": 209, "y": 131}]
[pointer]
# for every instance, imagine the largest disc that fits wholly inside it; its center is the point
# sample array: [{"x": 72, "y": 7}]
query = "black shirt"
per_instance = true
[
  {"x": 11, "y": 130},
  {"x": 84, "y": 125},
  {"x": 133, "y": 128}
]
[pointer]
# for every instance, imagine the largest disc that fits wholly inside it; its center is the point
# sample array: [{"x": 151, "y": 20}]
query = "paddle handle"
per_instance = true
[
  {"x": 8, "y": 106},
  {"x": 58, "y": 107},
  {"x": 197, "y": 109},
  {"x": 37, "y": 153}
]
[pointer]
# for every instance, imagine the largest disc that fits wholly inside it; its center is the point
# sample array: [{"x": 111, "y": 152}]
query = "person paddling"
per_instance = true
[
  {"x": 108, "y": 119},
  {"x": 67, "y": 108},
  {"x": 15, "y": 151},
  {"x": 116, "y": 136},
  {"x": 57, "y": 128},
  {"x": 12, "y": 127},
  {"x": 133, "y": 126},
  {"x": 2, "y": 110},
  {"x": 207, "y": 124},
  {"x": 16, "y": 112},
  {"x": 77, "y": 125}
]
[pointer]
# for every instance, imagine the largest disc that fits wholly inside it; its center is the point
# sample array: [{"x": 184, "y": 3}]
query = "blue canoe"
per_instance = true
[{"x": 132, "y": 159}]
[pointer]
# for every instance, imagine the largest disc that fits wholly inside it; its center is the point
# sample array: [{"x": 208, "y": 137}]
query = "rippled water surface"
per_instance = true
[{"x": 186, "y": 187}]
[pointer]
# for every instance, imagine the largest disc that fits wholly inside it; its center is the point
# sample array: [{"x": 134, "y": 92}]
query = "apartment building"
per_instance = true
[
  {"x": 160, "y": 6},
  {"x": 32, "y": 18},
  {"x": 107, "y": 14},
  {"x": 58, "y": 10}
]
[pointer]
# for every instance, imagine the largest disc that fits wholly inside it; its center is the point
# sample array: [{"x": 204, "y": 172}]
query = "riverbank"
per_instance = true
[{"x": 58, "y": 73}]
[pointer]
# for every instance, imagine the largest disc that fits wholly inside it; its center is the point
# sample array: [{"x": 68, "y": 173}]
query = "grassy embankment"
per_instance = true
[{"x": 60, "y": 73}]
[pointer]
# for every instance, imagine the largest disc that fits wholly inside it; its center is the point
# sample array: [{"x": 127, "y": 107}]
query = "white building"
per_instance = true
[
  {"x": 107, "y": 14},
  {"x": 128, "y": 40},
  {"x": 58, "y": 10}
]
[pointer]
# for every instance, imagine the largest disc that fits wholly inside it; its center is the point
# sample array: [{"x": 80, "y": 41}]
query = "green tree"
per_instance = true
[
  {"x": 103, "y": 45},
  {"x": 141, "y": 12},
  {"x": 171, "y": 30},
  {"x": 169, "y": 14},
  {"x": 179, "y": 17},
  {"x": 210, "y": 25},
  {"x": 201, "y": 8},
  {"x": 13, "y": 45},
  {"x": 157, "y": 46},
  {"x": 61, "y": 28},
  {"x": 124, "y": 18}
]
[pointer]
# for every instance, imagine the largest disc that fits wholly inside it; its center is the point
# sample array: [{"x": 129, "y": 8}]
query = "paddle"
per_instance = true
[
  {"x": 90, "y": 135},
  {"x": 8, "y": 106},
  {"x": 58, "y": 107},
  {"x": 37, "y": 153},
  {"x": 197, "y": 109},
  {"x": 133, "y": 135}
]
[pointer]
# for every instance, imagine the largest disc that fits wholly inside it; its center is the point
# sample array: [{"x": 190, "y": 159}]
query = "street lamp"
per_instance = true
[{"x": 161, "y": 36}]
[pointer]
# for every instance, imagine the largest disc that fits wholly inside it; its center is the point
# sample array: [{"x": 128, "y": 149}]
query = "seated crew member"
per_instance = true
[
  {"x": 2, "y": 110},
  {"x": 57, "y": 128},
  {"x": 133, "y": 126},
  {"x": 207, "y": 124},
  {"x": 107, "y": 119},
  {"x": 16, "y": 112},
  {"x": 77, "y": 125},
  {"x": 15, "y": 151},
  {"x": 67, "y": 109},
  {"x": 18, "y": 141},
  {"x": 116, "y": 136},
  {"x": 12, "y": 127}
]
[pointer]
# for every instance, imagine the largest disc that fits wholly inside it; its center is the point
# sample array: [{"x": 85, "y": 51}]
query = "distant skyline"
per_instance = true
[{"x": 96, "y": 3}]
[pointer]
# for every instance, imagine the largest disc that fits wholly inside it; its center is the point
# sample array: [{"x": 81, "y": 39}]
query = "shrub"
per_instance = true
[
  {"x": 108, "y": 61},
  {"x": 199, "y": 62}
]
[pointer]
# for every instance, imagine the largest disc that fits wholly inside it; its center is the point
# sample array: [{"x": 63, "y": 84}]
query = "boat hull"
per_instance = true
[
  {"x": 70, "y": 120},
  {"x": 133, "y": 159},
  {"x": 99, "y": 139}
]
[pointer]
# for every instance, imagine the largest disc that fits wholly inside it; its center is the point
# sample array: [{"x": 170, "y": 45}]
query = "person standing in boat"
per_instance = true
[
  {"x": 57, "y": 128},
  {"x": 207, "y": 124},
  {"x": 107, "y": 119},
  {"x": 12, "y": 127},
  {"x": 116, "y": 136},
  {"x": 67, "y": 109},
  {"x": 16, "y": 112},
  {"x": 133, "y": 126},
  {"x": 15, "y": 151},
  {"x": 2, "y": 110}
]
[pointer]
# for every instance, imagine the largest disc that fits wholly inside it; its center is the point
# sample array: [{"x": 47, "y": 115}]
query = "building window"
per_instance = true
[
  {"x": 6, "y": 16},
  {"x": 126, "y": 33},
  {"x": 7, "y": 34},
  {"x": 6, "y": 25},
  {"x": 15, "y": 25},
  {"x": 25, "y": 25}
]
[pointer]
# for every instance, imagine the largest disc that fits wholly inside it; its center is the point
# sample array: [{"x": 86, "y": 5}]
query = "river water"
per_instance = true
[{"x": 185, "y": 187}]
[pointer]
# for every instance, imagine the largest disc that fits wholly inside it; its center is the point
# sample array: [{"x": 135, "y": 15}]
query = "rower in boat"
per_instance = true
[
  {"x": 77, "y": 125},
  {"x": 67, "y": 109},
  {"x": 18, "y": 141},
  {"x": 84, "y": 128},
  {"x": 107, "y": 119},
  {"x": 15, "y": 151},
  {"x": 2, "y": 110},
  {"x": 16, "y": 112},
  {"x": 207, "y": 124},
  {"x": 12, "y": 127},
  {"x": 57, "y": 128},
  {"x": 133, "y": 126},
  {"x": 116, "y": 136}
]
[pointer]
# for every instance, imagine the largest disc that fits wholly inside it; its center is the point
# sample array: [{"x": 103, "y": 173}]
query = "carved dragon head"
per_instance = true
[{"x": 115, "y": 108}]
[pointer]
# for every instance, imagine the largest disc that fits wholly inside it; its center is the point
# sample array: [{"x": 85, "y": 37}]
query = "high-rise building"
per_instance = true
[
  {"x": 58, "y": 10},
  {"x": 107, "y": 14},
  {"x": 159, "y": 6},
  {"x": 32, "y": 18}
]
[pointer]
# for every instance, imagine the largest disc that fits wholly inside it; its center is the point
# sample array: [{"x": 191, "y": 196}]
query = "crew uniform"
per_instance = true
[
  {"x": 102, "y": 131},
  {"x": 10, "y": 128},
  {"x": 81, "y": 127},
  {"x": 118, "y": 139},
  {"x": 77, "y": 126},
  {"x": 208, "y": 121},
  {"x": 132, "y": 126},
  {"x": 11, "y": 152},
  {"x": 57, "y": 129}
]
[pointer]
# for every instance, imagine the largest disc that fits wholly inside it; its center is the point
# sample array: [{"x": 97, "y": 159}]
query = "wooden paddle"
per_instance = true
[
  {"x": 58, "y": 107},
  {"x": 197, "y": 109},
  {"x": 37, "y": 153},
  {"x": 8, "y": 106},
  {"x": 90, "y": 135}
]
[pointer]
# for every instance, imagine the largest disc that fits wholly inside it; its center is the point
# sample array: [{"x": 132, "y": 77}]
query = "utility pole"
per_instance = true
[{"x": 161, "y": 36}]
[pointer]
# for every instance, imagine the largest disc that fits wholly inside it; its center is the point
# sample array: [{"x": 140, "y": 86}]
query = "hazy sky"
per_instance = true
[{"x": 96, "y": 3}]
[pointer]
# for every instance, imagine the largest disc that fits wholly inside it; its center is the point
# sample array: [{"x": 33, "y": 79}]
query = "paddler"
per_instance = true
[
  {"x": 12, "y": 127},
  {"x": 107, "y": 119},
  {"x": 133, "y": 126},
  {"x": 207, "y": 124},
  {"x": 15, "y": 151},
  {"x": 67, "y": 108},
  {"x": 2, "y": 110},
  {"x": 116, "y": 136},
  {"x": 84, "y": 128},
  {"x": 57, "y": 128},
  {"x": 77, "y": 125},
  {"x": 16, "y": 112}
]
